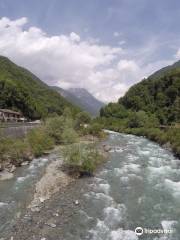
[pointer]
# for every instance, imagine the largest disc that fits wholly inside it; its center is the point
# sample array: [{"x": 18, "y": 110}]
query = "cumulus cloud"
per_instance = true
[
  {"x": 177, "y": 55},
  {"x": 68, "y": 61},
  {"x": 116, "y": 34}
]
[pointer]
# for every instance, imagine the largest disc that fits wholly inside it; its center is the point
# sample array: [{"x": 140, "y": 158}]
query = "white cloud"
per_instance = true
[
  {"x": 75, "y": 37},
  {"x": 177, "y": 55},
  {"x": 116, "y": 34},
  {"x": 122, "y": 42},
  {"x": 69, "y": 61}
]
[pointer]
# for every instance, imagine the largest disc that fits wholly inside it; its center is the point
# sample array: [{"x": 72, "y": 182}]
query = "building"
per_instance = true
[{"x": 7, "y": 115}]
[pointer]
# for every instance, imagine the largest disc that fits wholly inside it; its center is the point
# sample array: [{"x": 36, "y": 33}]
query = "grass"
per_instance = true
[
  {"x": 53, "y": 131},
  {"x": 81, "y": 159}
]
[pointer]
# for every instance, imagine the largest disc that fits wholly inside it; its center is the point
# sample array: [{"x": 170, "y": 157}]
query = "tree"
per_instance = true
[
  {"x": 137, "y": 119},
  {"x": 82, "y": 118}
]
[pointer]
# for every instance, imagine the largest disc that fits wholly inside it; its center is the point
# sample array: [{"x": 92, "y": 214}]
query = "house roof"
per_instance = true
[{"x": 10, "y": 111}]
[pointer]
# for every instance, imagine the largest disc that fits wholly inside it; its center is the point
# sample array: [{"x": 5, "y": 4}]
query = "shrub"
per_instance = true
[
  {"x": 39, "y": 141},
  {"x": 95, "y": 129},
  {"x": 69, "y": 136},
  {"x": 54, "y": 128},
  {"x": 19, "y": 151},
  {"x": 81, "y": 158},
  {"x": 81, "y": 119},
  {"x": 14, "y": 151}
]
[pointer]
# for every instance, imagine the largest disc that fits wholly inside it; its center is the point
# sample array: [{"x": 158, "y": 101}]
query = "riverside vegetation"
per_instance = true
[
  {"x": 22, "y": 91},
  {"x": 150, "y": 108},
  {"x": 65, "y": 130}
]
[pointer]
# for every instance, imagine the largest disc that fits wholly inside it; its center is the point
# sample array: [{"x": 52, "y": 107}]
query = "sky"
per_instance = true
[{"x": 105, "y": 46}]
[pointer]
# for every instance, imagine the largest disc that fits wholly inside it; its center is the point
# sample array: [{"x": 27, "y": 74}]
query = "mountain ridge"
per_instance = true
[
  {"x": 158, "y": 94},
  {"x": 21, "y": 90},
  {"x": 82, "y": 98}
]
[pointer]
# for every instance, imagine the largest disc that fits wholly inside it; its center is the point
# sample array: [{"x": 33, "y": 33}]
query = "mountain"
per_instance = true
[
  {"x": 159, "y": 95},
  {"x": 164, "y": 70},
  {"x": 82, "y": 98},
  {"x": 21, "y": 90}
]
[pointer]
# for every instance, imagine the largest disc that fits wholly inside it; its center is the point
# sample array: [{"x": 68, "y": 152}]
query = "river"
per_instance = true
[{"x": 139, "y": 186}]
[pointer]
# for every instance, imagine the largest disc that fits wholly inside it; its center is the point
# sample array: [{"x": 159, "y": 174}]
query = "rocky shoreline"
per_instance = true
[
  {"x": 55, "y": 200},
  {"x": 49, "y": 221},
  {"x": 53, "y": 180}
]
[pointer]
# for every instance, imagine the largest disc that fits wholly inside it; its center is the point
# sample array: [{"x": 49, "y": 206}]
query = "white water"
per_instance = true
[
  {"x": 138, "y": 187},
  {"x": 16, "y": 193}
]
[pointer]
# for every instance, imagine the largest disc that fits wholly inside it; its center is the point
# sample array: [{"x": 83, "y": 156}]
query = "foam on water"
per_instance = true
[
  {"x": 130, "y": 168},
  {"x": 168, "y": 225},
  {"x": 124, "y": 180},
  {"x": 22, "y": 179},
  {"x": 103, "y": 232},
  {"x": 105, "y": 188},
  {"x": 121, "y": 234},
  {"x": 144, "y": 152},
  {"x": 3, "y": 204},
  {"x": 163, "y": 171},
  {"x": 174, "y": 187},
  {"x": 114, "y": 215}
]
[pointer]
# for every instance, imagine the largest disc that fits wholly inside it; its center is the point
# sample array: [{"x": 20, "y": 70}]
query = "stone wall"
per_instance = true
[{"x": 16, "y": 130}]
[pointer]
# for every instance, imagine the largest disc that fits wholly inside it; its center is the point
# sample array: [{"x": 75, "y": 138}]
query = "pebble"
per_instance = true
[
  {"x": 56, "y": 214},
  {"x": 51, "y": 225},
  {"x": 35, "y": 209},
  {"x": 76, "y": 202},
  {"x": 41, "y": 199},
  {"x": 24, "y": 163}
]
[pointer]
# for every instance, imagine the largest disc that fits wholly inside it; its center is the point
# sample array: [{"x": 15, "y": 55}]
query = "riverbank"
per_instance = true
[
  {"x": 58, "y": 130},
  {"x": 168, "y": 138},
  {"x": 48, "y": 220},
  {"x": 43, "y": 214},
  {"x": 127, "y": 191}
]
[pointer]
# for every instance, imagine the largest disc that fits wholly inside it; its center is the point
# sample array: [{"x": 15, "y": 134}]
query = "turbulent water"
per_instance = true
[
  {"x": 139, "y": 186},
  {"x": 16, "y": 193}
]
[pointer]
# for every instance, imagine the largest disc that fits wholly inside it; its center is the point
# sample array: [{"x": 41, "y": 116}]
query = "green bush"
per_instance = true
[
  {"x": 81, "y": 119},
  {"x": 95, "y": 129},
  {"x": 82, "y": 158},
  {"x": 19, "y": 151},
  {"x": 69, "y": 135},
  {"x": 39, "y": 141},
  {"x": 14, "y": 150},
  {"x": 54, "y": 128}
]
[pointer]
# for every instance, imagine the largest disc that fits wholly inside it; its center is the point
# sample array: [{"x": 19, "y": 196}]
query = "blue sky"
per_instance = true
[{"x": 121, "y": 40}]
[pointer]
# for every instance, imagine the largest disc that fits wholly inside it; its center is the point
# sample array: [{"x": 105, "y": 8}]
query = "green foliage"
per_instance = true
[
  {"x": 69, "y": 135},
  {"x": 54, "y": 130},
  {"x": 137, "y": 119},
  {"x": 21, "y": 90},
  {"x": 14, "y": 150},
  {"x": 39, "y": 141},
  {"x": 82, "y": 158},
  {"x": 159, "y": 95},
  {"x": 55, "y": 127},
  {"x": 95, "y": 129},
  {"x": 114, "y": 110},
  {"x": 146, "y": 106},
  {"x": 61, "y": 129},
  {"x": 81, "y": 119}
]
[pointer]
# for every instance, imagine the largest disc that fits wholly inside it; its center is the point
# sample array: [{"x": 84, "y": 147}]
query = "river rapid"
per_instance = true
[{"x": 139, "y": 186}]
